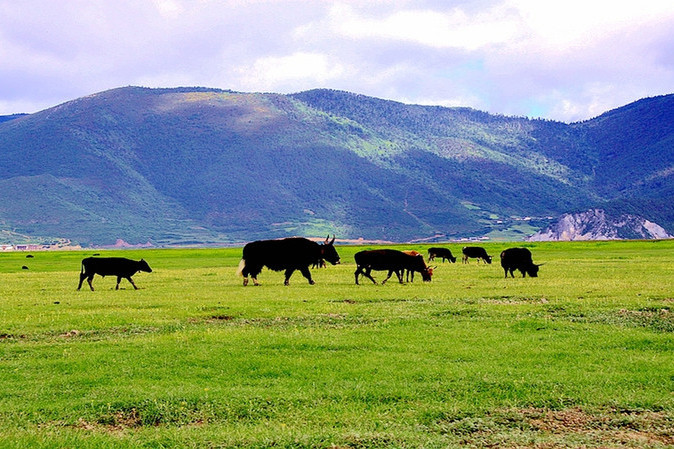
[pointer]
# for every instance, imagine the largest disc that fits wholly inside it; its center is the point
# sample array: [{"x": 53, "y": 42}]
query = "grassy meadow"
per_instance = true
[{"x": 582, "y": 356}]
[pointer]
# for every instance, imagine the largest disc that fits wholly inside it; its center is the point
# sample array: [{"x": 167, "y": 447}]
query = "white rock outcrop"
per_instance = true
[{"x": 596, "y": 224}]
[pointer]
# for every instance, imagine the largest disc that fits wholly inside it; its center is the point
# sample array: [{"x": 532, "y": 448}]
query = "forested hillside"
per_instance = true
[{"x": 197, "y": 165}]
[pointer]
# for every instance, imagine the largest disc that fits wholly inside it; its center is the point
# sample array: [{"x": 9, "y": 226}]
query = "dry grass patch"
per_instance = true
[
  {"x": 572, "y": 427},
  {"x": 514, "y": 300},
  {"x": 116, "y": 422},
  {"x": 631, "y": 428}
]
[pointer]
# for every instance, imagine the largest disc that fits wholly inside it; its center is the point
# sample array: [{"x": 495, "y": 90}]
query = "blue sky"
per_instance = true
[{"x": 564, "y": 60}]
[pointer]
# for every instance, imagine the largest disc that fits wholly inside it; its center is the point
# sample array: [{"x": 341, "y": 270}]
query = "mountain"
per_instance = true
[
  {"x": 595, "y": 224},
  {"x": 199, "y": 165}
]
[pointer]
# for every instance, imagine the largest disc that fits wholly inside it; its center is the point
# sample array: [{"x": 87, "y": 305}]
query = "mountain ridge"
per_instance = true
[{"x": 202, "y": 165}]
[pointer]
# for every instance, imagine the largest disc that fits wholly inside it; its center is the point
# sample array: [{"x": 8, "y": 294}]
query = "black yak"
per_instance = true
[
  {"x": 111, "y": 266},
  {"x": 518, "y": 259},
  {"x": 444, "y": 253},
  {"x": 290, "y": 254},
  {"x": 476, "y": 252}
]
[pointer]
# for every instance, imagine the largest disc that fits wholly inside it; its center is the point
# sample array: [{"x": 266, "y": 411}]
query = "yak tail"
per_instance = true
[{"x": 242, "y": 264}]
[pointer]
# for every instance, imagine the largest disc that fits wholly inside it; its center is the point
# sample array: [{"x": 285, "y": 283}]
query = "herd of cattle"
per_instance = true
[{"x": 298, "y": 254}]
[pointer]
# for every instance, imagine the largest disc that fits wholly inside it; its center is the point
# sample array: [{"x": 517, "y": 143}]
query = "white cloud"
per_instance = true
[
  {"x": 168, "y": 8},
  {"x": 454, "y": 28},
  {"x": 292, "y": 70},
  {"x": 566, "y": 24}
]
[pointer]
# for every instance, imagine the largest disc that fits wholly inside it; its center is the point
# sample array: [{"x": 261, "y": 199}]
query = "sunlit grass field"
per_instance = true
[{"x": 582, "y": 356}]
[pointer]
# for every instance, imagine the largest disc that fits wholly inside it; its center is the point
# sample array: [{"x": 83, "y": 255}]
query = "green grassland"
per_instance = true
[{"x": 582, "y": 356}]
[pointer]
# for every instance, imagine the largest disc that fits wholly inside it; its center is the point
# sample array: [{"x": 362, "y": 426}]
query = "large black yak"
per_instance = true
[
  {"x": 390, "y": 260},
  {"x": 111, "y": 266},
  {"x": 295, "y": 253}
]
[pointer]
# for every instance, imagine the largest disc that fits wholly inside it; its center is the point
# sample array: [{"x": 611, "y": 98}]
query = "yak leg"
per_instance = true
[
  {"x": 253, "y": 272},
  {"x": 367, "y": 274},
  {"x": 307, "y": 274},
  {"x": 289, "y": 272},
  {"x": 82, "y": 277},
  {"x": 134, "y": 285},
  {"x": 89, "y": 279},
  {"x": 387, "y": 277},
  {"x": 244, "y": 274}
]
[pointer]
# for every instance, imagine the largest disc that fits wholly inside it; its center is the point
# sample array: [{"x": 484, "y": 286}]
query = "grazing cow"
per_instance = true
[
  {"x": 111, "y": 266},
  {"x": 518, "y": 259},
  {"x": 441, "y": 252},
  {"x": 390, "y": 260},
  {"x": 295, "y": 253},
  {"x": 409, "y": 274},
  {"x": 476, "y": 252}
]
